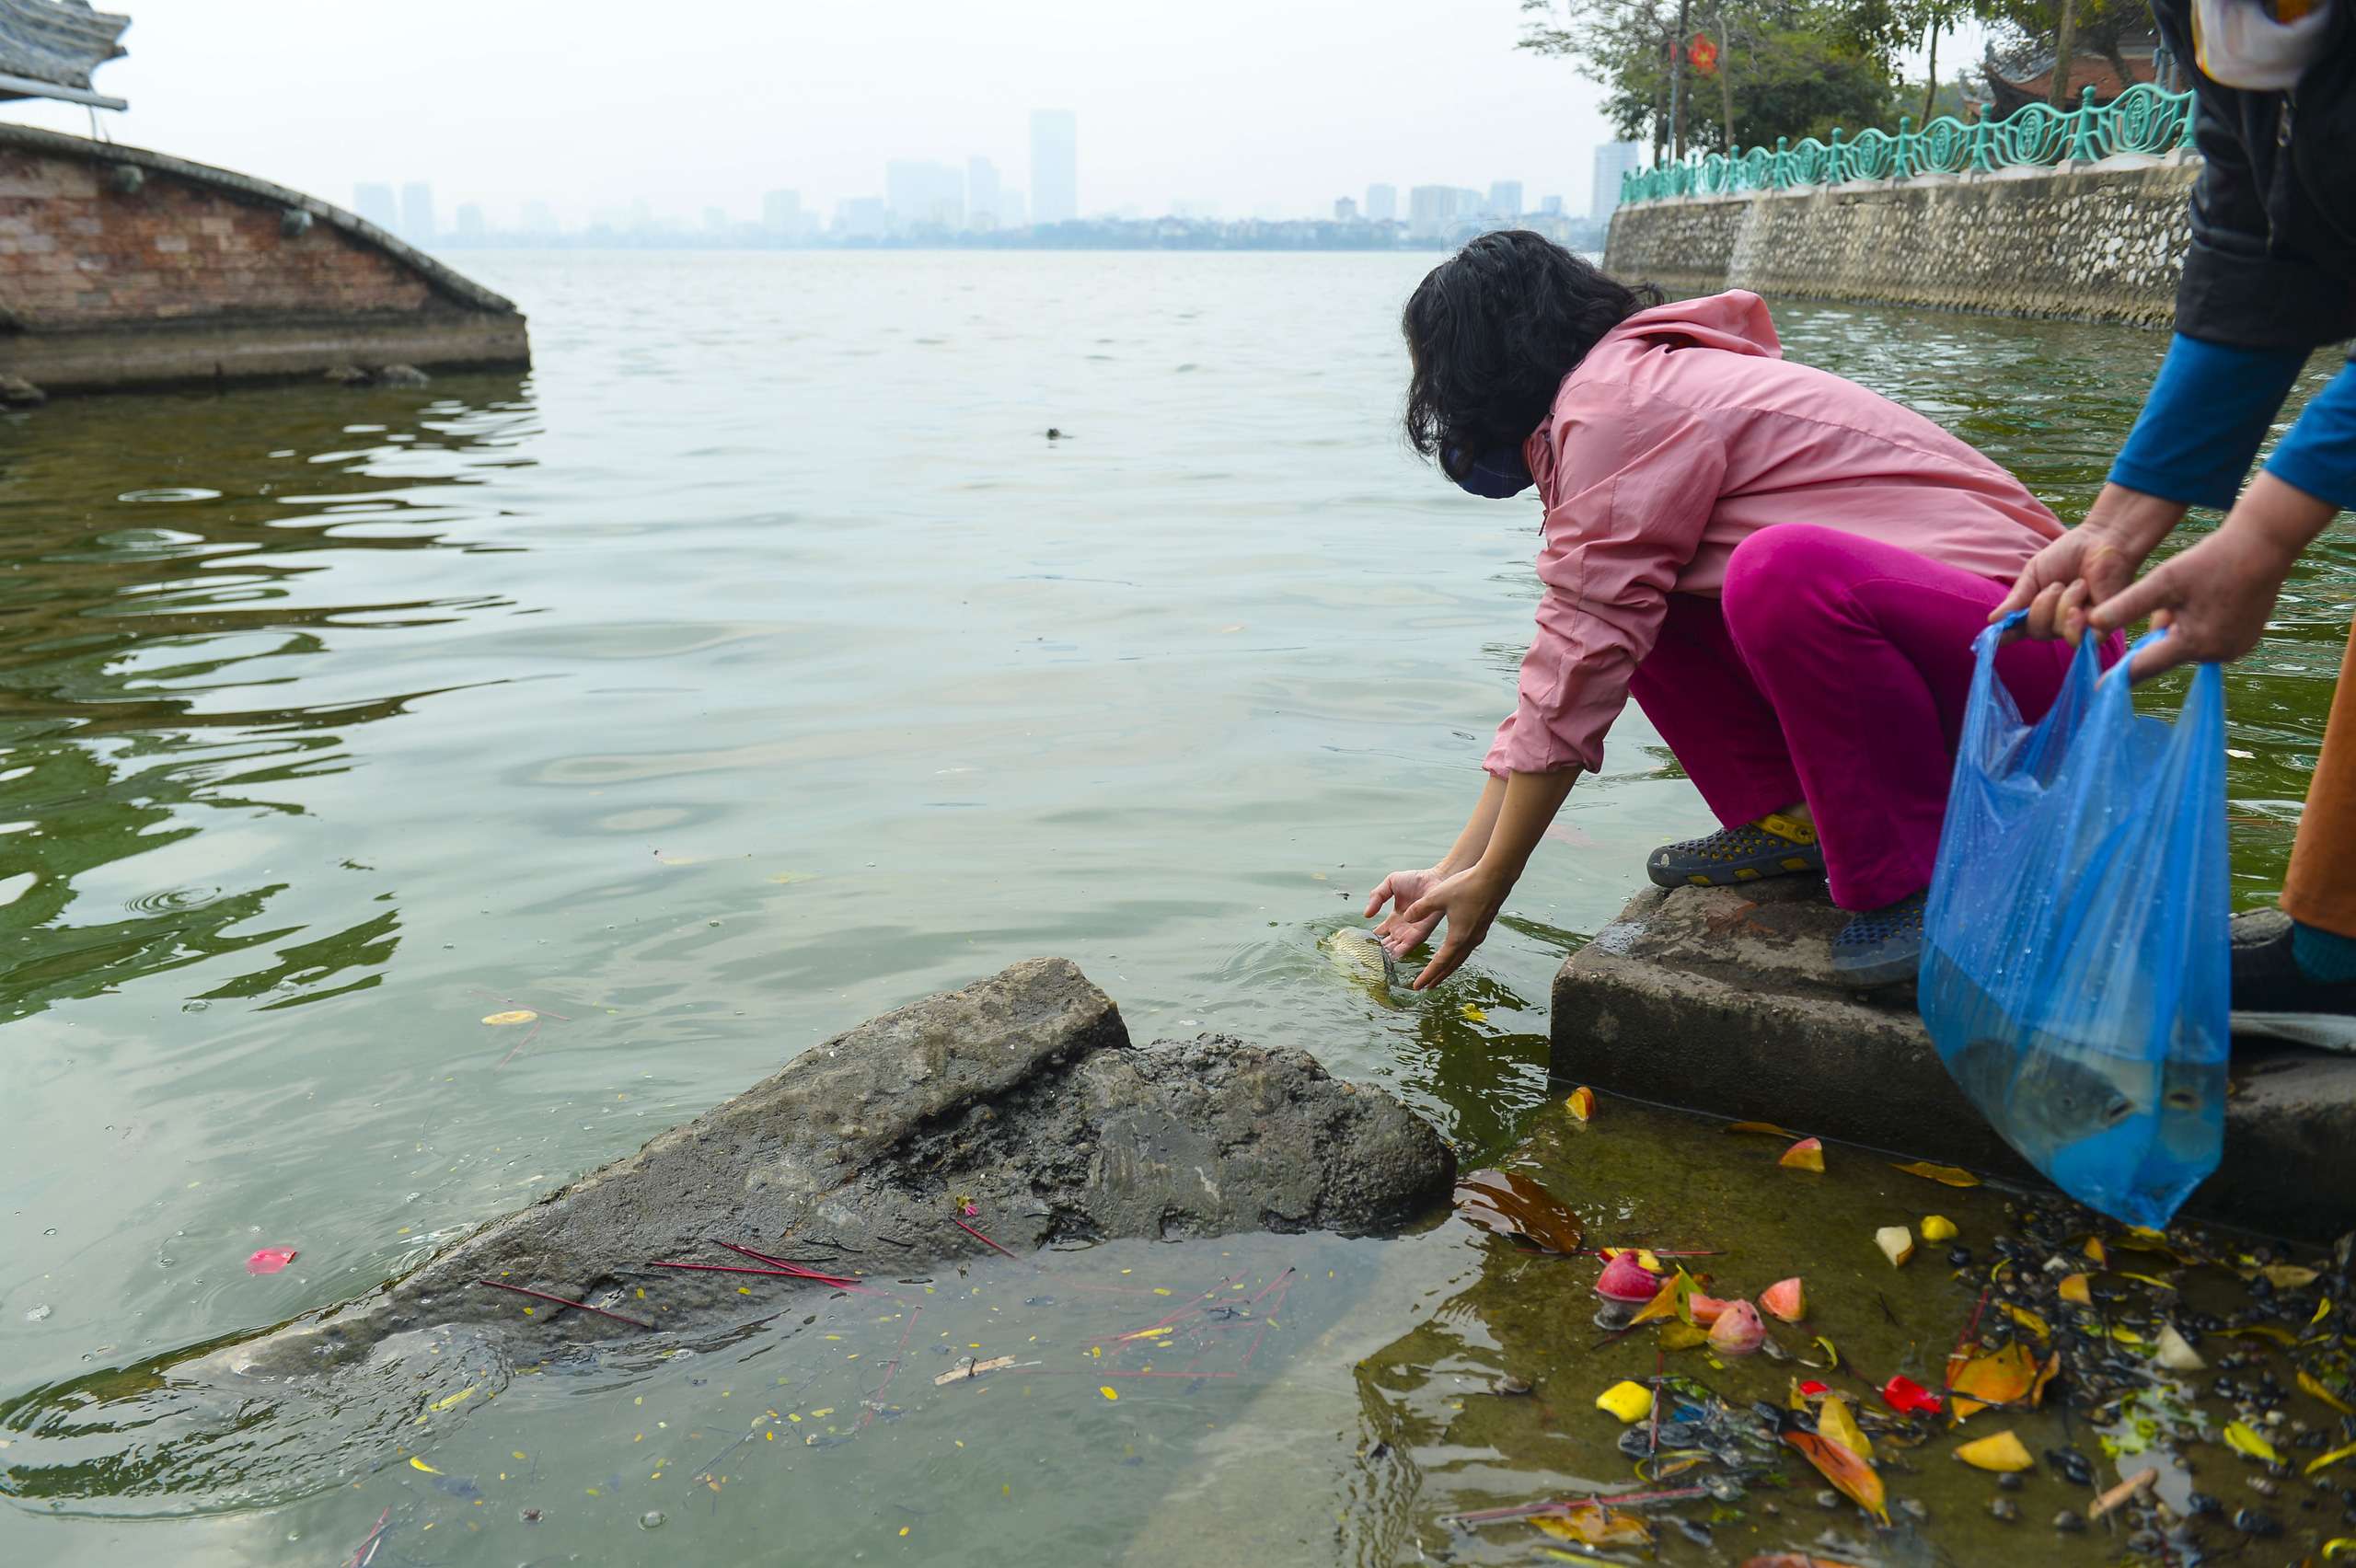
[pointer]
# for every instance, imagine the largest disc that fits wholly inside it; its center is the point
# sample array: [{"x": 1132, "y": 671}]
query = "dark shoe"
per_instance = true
[
  {"x": 1881, "y": 946},
  {"x": 2273, "y": 996},
  {"x": 1775, "y": 845}
]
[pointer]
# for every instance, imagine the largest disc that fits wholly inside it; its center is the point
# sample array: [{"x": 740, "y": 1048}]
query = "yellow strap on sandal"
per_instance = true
[{"x": 1782, "y": 826}]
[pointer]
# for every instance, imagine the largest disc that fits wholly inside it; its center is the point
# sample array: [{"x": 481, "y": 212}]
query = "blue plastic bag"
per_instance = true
[{"x": 2074, "y": 945}]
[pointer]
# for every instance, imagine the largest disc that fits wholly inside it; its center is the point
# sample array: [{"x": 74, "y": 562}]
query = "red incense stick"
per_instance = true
[{"x": 584, "y": 1306}]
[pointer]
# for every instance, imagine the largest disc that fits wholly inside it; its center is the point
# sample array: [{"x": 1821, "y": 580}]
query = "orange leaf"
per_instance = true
[
  {"x": 1769, "y": 1128},
  {"x": 2001, "y": 1379},
  {"x": 2073, "y": 1289},
  {"x": 1506, "y": 1202},
  {"x": 1674, "y": 1299},
  {"x": 2045, "y": 1375},
  {"x": 1857, "y": 1480},
  {"x": 1806, "y": 1155},
  {"x": 1581, "y": 1103},
  {"x": 1946, "y": 1175},
  {"x": 1591, "y": 1524}
]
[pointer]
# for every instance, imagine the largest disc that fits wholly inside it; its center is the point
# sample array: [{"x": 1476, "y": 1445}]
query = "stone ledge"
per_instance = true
[{"x": 1722, "y": 1000}]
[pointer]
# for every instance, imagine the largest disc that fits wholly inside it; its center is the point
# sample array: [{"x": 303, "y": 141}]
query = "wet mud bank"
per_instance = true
[{"x": 1722, "y": 1000}]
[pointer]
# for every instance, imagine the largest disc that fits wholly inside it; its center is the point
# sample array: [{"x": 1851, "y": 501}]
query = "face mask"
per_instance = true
[
  {"x": 2240, "y": 43},
  {"x": 1499, "y": 475}
]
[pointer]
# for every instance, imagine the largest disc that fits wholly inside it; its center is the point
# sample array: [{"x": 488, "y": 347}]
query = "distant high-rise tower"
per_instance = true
[
  {"x": 374, "y": 202},
  {"x": 1055, "y": 165},
  {"x": 1346, "y": 211},
  {"x": 1383, "y": 203},
  {"x": 417, "y": 211},
  {"x": 1613, "y": 159},
  {"x": 1505, "y": 199},
  {"x": 1551, "y": 206},
  {"x": 982, "y": 193},
  {"x": 926, "y": 195},
  {"x": 781, "y": 211}
]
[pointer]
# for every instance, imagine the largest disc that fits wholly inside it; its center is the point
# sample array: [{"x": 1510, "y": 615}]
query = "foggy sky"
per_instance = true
[{"x": 587, "y": 106}]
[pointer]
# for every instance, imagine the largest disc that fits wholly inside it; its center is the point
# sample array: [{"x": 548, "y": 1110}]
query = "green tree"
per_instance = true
[
  {"x": 1790, "y": 68},
  {"x": 2094, "y": 27}
]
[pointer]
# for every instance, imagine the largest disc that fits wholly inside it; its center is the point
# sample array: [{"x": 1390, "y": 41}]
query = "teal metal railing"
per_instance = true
[{"x": 2143, "y": 119}]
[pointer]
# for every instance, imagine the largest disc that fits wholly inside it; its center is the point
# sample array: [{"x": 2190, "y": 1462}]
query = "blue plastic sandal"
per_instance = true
[
  {"x": 1883, "y": 946},
  {"x": 1775, "y": 845}
]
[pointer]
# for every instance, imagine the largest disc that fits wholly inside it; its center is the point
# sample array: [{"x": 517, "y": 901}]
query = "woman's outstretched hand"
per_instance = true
[
  {"x": 1469, "y": 902},
  {"x": 1401, "y": 936},
  {"x": 2090, "y": 563}
]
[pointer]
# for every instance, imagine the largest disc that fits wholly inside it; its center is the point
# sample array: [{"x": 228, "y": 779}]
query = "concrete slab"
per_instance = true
[{"x": 1723, "y": 1000}]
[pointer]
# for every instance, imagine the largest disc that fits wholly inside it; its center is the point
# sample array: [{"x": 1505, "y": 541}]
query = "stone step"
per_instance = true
[{"x": 1723, "y": 1000}]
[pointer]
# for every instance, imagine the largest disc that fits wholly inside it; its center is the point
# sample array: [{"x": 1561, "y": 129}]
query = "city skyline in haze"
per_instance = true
[{"x": 1248, "y": 109}]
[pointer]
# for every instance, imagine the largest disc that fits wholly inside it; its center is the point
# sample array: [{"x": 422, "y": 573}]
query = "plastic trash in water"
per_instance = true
[{"x": 2074, "y": 945}]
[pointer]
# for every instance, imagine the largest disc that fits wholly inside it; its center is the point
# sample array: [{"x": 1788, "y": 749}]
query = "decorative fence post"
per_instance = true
[
  {"x": 1980, "y": 134},
  {"x": 2082, "y": 146},
  {"x": 1836, "y": 162},
  {"x": 1899, "y": 169},
  {"x": 1781, "y": 169}
]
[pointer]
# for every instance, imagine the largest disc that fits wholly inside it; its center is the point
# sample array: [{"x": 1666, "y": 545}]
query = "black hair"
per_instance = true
[{"x": 1492, "y": 331}]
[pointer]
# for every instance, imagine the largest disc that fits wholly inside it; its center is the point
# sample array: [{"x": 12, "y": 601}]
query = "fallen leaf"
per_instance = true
[
  {"x": 1674, "y": 1299},
  {"x": 1681, "y": 1336},
  {"x": 1769, "y": 1128},
  {"x": 1946, "y": 1175},
  {"x": 2096, "y": 1255},
  {"x": 2242, "y": 1440},
  {"x": 2325, "y": 1461},
  {"x": 269, "y": 1260},
  {"x": 2274, "y": 1332},
  {"x": 1591, "y": 1524},
  {"x": 2323, "y": 1310},
  {"x": 1831, "y": 1357},
  {"x": 1472, "y": 1014},
  {"x": 2289, "y": 1276},
  {"x": 2003, "y": 1378},
  {"x": 1795, "y": 1560},
  {"x": 455, "y": 1400},
  {"x": 1108, "y": 1391},
  {"x": 1896, "y": 1244},
  {"x": 2028, "y": 1321},
  {"x": 1857, "y": 1479},
  {"x": 2052, "y": 1369},
  {"x": 964, "y": 1370},
  {"x": 417, "y": 1464},
  {"x": 2340, "y": 1546},
  {"x": 1581, "y": 1103},
  {"x": 1806, "y": 1155},
  {"x": 2073, "y": 1289},
  {"x": 520, "y": 1014},
  {"x": 1963, "y": 1409},
  {"x": 1833, "y": 1420},
  {"x": 2314, "y": 1385},
  {"x": 2001, "y": 1451},
  {"x": 1506, "y": 1202}
]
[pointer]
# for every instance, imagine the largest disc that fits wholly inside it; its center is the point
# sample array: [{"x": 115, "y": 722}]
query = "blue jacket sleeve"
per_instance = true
[
  {"x": 2204, "y": 421},
  {"x": 2319, "y": 454}
]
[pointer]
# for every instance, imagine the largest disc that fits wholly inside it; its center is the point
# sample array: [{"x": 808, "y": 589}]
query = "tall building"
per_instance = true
[
  {"x": 1055, "y": 165},
  {"x": 374, "y": 202},
  {"x": 1505, "y": 199},
  {"x": 981, "y": 193},
  {"x": 417, "y": 211},
  {"x": 1383, "y": 203},
  {"x": 471, "y": 226},
  {"x": 1551, "y": 206},
  {"x": 924, "y": 195},
  {"x": 861, "y": 217},
  {"x": 1346, "y": 211},
  {"x": 1613, "y": 159},
  {"x": 781, "y": 211},
  {"x": 1434, "y": 210}
]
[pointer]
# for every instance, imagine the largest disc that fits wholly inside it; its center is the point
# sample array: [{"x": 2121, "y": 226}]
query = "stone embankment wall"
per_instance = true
[
  {"x": 123, "y": 267},
  {"x": 2102, "y": 243}
]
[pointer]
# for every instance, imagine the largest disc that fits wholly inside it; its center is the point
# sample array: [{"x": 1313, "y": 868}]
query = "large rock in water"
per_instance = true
[{"x": 1022, "y": 1094}]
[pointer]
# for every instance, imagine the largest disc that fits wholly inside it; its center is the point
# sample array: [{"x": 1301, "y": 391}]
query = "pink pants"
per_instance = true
[{"x": 1833, "y": 669}]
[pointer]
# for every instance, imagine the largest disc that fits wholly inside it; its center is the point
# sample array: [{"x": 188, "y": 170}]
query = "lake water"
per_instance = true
[{"x": 753, "y": 666}]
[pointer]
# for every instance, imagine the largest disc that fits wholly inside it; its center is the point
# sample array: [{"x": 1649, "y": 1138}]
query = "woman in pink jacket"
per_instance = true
[{"x": 1785, "y": 570}]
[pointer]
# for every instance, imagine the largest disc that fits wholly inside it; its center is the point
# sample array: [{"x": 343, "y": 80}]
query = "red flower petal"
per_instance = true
[{"x": 269, "y": 1260}]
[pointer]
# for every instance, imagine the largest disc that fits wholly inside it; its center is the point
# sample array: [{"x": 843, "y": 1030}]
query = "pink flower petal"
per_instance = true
[{"x": 269, "y": 1260}]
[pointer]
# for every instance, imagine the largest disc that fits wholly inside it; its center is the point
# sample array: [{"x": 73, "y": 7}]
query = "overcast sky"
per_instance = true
[{"x": 1247, "y": 104}]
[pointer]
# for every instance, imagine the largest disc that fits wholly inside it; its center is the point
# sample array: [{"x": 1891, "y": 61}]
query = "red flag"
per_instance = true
[{"x": 1704, "y": 54}]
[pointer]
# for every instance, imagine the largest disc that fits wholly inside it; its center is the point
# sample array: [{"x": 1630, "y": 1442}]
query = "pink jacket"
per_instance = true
[{"x": 1684, "y": 431}]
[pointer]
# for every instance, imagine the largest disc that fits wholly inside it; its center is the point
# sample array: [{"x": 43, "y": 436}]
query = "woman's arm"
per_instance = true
[
  {"x": 1469, "y": 900},
  {"x": 1401, "y": 933}
]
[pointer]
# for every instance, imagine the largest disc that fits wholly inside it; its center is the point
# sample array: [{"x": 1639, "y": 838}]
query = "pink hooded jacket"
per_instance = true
[{"x": 1684, "y": 431}]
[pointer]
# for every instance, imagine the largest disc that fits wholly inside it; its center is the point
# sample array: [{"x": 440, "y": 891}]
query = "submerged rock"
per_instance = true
[{"x": 1017, "y": 1105}]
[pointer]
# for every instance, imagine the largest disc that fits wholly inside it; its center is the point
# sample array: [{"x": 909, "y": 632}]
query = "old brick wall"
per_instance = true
[
  {"x": 74, "y": 252},
  {"x": 2104, "y": 244}
]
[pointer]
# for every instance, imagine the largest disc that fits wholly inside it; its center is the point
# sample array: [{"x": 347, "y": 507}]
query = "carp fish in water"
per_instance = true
[{"x": 1361, "y": 955}]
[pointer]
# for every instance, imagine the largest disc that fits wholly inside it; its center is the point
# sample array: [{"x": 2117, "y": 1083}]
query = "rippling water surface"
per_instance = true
[{"x": 754, "y": 664}]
